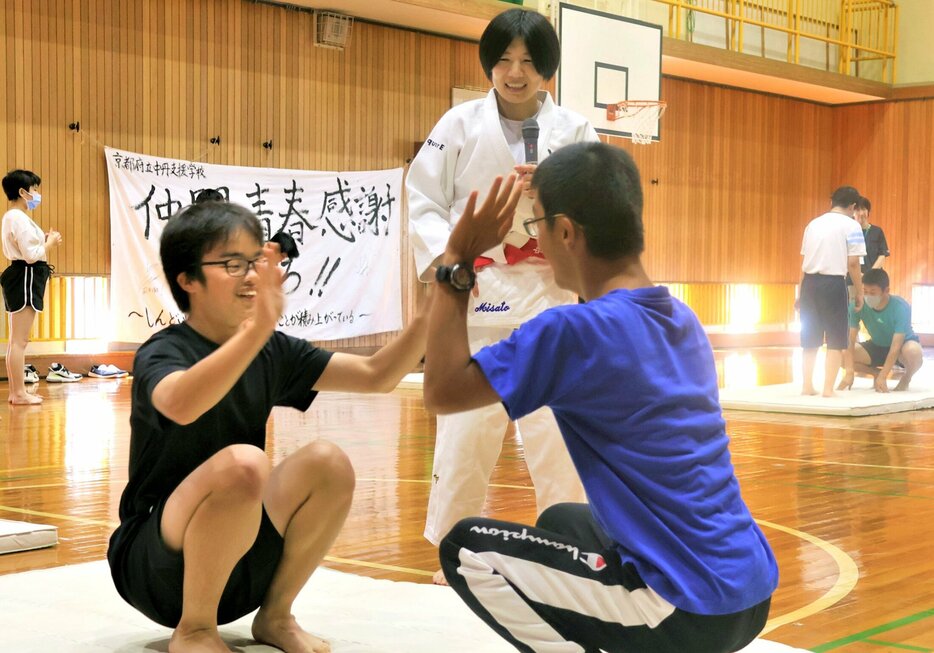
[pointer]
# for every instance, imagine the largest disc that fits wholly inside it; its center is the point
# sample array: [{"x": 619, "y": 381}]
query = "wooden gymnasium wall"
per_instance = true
[
  {"x": 729, "y": 188},
  {"x": 887, "y": 151}
]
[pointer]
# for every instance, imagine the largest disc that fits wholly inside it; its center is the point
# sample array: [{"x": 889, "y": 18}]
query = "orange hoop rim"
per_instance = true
[{"x": 639, "y": 103}]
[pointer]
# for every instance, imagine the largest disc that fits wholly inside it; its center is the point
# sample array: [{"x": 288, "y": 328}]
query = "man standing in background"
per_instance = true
[
  {"x": 877, "y": 249},
  {"x": 832, "y": 246}
]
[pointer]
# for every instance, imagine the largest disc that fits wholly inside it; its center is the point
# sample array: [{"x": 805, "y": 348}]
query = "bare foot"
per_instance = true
[
  {"x": 206, "y": 640},
  {"x": 25, "y": 400},
  {"x": 808, "y": 392},
  {"x": 902, "y": 384},
  {"x": 439, "y": 579},
  {"x": 828, "y": 394},
  {"x": 286, "y": 634}
]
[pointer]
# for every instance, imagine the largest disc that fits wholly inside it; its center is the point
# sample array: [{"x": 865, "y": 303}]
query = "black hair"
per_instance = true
[
  {"x": 844, "y": 197},
  {"x": 864, "y": 203},
  {"x": 286, "y": 243},
  {"x": 17, "y": 180},
  {"x": 535, "y": 31},
  {"x": 876, "y": 277},
  {"x": 195, "y": 230},
  {"x": 209, "y": 195},
  {"x": 598, "y": 187}
]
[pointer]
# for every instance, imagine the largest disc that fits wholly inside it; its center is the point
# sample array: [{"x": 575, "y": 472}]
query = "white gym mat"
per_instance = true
[
  {"x": 862, "y": 399},
  {"x": 413, "y": 381},
  {"x": 23, "y": 536},
  {"x": 75, "y": 609},
  {"x": 787, "y": 398}
]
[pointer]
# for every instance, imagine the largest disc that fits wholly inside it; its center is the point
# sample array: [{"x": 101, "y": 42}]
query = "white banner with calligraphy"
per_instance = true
[{"x": 346, "y": 281}]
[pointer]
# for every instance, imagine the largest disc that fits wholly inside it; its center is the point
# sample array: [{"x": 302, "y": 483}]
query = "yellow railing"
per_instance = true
[{"x": 862, "y": 30}]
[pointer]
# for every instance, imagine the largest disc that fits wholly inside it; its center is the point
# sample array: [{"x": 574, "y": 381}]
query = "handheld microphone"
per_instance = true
[{"x": 530, "y": 136}]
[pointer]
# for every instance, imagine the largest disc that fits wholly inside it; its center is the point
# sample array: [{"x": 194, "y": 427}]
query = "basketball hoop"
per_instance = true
[{"x": 643, "y": 114}]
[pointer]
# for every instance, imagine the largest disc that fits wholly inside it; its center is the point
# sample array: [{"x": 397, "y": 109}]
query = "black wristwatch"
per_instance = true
[{"x": 459, "y": 276}]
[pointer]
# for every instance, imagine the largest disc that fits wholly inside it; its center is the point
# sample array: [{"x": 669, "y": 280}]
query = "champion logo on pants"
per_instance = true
[{"x": 593, "y": 560}]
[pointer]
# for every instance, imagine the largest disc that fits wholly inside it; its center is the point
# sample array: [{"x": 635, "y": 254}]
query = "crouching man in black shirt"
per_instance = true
[{"x": 209, "y": 529}]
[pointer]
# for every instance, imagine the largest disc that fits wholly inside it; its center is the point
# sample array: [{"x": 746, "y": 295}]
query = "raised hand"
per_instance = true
[
  {"x": 478, "y": 230},
  {"x": 267, "y": 282}
]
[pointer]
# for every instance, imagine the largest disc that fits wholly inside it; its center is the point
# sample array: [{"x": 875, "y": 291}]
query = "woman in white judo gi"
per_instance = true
[{"x": 471, "y": 144}]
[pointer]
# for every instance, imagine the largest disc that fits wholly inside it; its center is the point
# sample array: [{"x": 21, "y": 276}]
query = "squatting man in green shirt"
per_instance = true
[{"x": 891, "y": 340}]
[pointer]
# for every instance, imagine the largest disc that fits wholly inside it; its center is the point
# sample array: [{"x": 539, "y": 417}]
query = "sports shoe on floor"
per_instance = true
[
  {"x": 59, "y": 374},
  {"x": 30, "y": 374},
  {"x": 107, "y": 372}
]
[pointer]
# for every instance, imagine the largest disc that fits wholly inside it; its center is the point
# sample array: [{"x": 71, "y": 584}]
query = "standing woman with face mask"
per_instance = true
[{"x": 24, "y": 281}]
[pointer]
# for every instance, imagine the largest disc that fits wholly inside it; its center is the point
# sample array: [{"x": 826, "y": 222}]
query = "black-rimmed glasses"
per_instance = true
[
  {"x": 531, "y": 228},
  {"x": 236, "y": 266}
]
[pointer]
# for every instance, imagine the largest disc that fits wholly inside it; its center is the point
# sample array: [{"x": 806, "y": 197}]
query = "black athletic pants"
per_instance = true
[{"x": 560, "y": 588}]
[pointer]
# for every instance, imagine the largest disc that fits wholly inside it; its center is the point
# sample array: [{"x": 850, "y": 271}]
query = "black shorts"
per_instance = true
[
  {"x": 878, "y": 353},
  {"x": 823, "y": 306},
  {"x": 24, "y": 284},
  {"x": 151, "y": 577}
]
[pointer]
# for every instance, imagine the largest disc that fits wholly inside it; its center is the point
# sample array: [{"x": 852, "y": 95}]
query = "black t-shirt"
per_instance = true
[
  {"x": 163, "y": 453},
  {"x": 876, "y": 246}
]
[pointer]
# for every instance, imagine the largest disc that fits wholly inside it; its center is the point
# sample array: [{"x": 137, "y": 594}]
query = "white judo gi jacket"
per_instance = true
[{"x": 464, "y": 152}]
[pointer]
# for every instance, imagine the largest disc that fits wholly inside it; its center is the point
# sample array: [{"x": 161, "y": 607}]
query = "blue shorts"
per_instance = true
[{"x": 823, "y": 305}]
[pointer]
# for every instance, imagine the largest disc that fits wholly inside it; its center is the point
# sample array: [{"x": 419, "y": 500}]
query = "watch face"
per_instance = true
[{"x": 462, "y": 277}]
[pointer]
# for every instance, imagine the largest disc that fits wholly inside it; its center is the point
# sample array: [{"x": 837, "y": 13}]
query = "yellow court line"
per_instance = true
[
  {"x": 847, "y": 576},
  {"x": 34, "y": 487},
  {"x": 36, "y": 513},
  {"x": 425, "y": 480},
  {"x": 832, "y": 427},
  {"x": 868, "y": 443},
  {"x": 120, "y": 481},
  {"x": 377, "y": 565},
  {"x": 29, "y": 469},
  {"x": 832, "y": 462},
  {"x": 47, "y": 485}
]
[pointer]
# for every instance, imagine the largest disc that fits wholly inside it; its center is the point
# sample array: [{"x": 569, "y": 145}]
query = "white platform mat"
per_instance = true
[
  {"x": 862, "y": 399},
  {"x": 75, "y": 609},
  {"x": 23, "y": 536}
]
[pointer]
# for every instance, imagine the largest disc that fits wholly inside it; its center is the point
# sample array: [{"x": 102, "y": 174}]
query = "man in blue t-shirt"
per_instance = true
[
  {"x": 665, "y": 557},
  {"x": 891, "y": 339}
]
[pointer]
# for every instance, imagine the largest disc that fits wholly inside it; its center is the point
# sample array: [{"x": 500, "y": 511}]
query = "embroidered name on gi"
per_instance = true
[
  {"x": 432, "y": 143},
  {"x": 487, "y": 307}
]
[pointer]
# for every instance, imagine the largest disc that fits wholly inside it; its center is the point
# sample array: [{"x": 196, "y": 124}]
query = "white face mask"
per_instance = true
[
  {"x": 872, "y": 301},
  {"x": 34, "y": 202}
]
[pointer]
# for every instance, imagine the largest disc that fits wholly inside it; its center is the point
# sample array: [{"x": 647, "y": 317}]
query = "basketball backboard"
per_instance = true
[{"x": 606, "y": 58}]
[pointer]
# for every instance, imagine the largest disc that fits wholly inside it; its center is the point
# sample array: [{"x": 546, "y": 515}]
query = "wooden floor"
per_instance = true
[{"x": 844, "y": 501}]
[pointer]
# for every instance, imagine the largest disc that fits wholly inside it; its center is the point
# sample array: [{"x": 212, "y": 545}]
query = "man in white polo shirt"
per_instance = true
[{"x": 833, "y": 244}]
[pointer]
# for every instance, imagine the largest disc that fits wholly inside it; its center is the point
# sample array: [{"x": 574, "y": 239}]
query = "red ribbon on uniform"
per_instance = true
[{"x": 513, "y": 254}]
